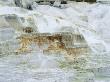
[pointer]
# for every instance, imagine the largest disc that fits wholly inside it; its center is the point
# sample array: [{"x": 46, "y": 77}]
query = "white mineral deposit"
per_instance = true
[{"x": 47, "y": 41}]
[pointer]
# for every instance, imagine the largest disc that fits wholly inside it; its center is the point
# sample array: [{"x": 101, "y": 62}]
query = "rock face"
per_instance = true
[
  {"x": 64, "y": 42},
  {"x": 18, "y": 3}
]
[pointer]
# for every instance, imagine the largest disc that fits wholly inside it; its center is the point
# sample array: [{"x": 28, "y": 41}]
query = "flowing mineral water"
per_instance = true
[{"x": 39, "y": 67}]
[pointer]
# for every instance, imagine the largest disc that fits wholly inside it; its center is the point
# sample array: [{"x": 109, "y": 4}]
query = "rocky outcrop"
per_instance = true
[{"x": 18, "y": 3}]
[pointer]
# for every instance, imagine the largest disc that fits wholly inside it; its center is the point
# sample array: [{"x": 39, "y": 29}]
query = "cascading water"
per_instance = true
[
  {"x": 38, "y": 67},
  {"x": 95, "y": 43}
]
